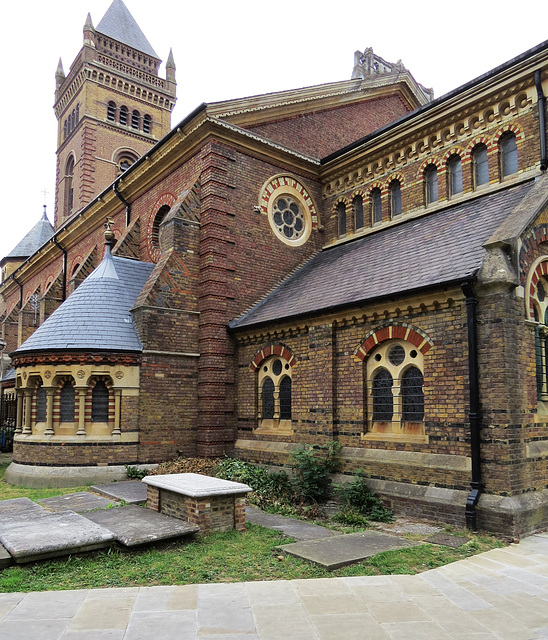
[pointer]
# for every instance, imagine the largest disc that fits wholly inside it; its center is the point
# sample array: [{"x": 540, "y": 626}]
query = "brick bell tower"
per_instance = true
[{"x": 110, "y": 108}]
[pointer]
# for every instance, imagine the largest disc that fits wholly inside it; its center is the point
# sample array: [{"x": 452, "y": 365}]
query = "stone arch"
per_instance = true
[{"x": 396, "y": 330}]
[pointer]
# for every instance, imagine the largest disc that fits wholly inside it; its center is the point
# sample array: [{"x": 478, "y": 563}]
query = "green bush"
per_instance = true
[
  {"x": 134, "y": 473},
  {"x": 269, "y": 487},
  {"x": 357, "y": 498},
  {"x": 313, "y": 469}
]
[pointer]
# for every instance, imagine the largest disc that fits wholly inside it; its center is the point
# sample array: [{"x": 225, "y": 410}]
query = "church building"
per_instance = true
[{"x": 354, "y": 262}]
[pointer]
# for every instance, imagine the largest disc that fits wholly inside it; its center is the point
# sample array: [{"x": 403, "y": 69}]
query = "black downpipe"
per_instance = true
[
  {"x": 541, "y": 101},
  {"x": 64, "y": 287},
  {"x": 20, "y": 292},
  {"x": 126, "y": 204},
  {"x": 474, "y": 413}
]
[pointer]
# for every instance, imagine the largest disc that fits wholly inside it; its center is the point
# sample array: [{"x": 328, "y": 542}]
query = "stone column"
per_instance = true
[
  {"x": 117, "y": 412},
  {"x": 27, "y": 428},
  {"x": 19, "y": 420},
  {"x": 81, "y": 391},
  {"x": 50, "y": 393}
]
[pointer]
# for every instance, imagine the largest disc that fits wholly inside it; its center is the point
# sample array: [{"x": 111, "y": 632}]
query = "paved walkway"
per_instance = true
[{"x": 502, "y": 593}]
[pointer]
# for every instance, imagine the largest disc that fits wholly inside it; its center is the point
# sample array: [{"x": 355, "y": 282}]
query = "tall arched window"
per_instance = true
[
  {"x": 99, "y": 402},
  {"x": 341, "y": 218},
  {"x": 395, "y": 198},
  {"x": 41, "y": 404},
  {"x": 412, "y": 395},
  {"x": 480, "y": 164},
  {"x": 69, "y": 186},
  {"x": 147, "y": 123},
  {"x": 358, "y": 212},
  {"x": 376, "y": 206},
  {"x": 162, "y": 213},
  {"x": 123, "y": 115},
  {"x": 431, "y": 184},
  {"x": 67, "y": 403},
  {"x": 381, "y": 392},
  {"x": 274, "y": 383},
  {"x": 454, "y": 173},
  {"x": 111, "y": 111},
  {"x": 508, "y": 154},
  {"x": 135, "y": 120}
]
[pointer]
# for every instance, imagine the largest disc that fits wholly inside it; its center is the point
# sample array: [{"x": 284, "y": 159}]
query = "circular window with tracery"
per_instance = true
[{"x": 291, "y": 212}]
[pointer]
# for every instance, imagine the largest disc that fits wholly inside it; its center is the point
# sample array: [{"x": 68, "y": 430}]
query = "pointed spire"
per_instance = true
[
  {"x": 45, "y": 215},
  {"x": 170, "y": 67},
  {"x": 59, "y": 75},
  {"x": 107, "y": 269},
  {"x": 89, "y": 32},
  {"x": 119, "y": 24},
  {"x": 88, "y": 26}
]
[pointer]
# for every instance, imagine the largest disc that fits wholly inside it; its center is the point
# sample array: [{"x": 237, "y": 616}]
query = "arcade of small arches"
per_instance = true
[
  {"x": 76, "y": 401},
  {"x": 369, "y": 208},
  {"x": 133, "y": 119}
]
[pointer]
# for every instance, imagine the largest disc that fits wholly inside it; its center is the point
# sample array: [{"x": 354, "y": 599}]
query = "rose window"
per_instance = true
[{"x": 288, "y": 218}]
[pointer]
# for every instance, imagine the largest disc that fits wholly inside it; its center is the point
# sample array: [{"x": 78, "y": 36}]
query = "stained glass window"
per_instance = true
[
  {"x": 412, "y": 395},
  {"x": 41, "y": 404},
  {"x": 99, "y": 402},
  {"x": 383, "y": 402},
  {"x": 268, "y": 399},
  {"x": 67, "y": 402},
  {"x": 285, "y": 398}
]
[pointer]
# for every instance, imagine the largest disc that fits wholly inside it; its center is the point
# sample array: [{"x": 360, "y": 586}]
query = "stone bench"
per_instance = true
[{"x": 211, "y": 503}]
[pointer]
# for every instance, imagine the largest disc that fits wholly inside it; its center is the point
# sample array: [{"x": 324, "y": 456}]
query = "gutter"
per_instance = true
[
  {"x": 474, "y": 414},
  {"x": 541, "y": 101}
]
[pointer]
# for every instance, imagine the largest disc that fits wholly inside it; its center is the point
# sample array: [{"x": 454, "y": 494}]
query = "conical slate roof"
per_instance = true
[
  {"x": 119, "y": 24},
  {"x": 35, "y": 238},
  {"x": 97, "y": 315}
]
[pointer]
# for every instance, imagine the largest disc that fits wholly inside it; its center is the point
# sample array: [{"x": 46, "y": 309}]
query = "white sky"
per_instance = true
[{"x": 233, "y": 49}]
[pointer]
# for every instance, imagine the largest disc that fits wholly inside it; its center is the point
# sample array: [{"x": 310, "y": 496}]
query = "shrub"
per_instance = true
[
  {"x": 313, "y": 469},
  {"x": 134, "y": 473},
  {"x": 357, "y": 498}
]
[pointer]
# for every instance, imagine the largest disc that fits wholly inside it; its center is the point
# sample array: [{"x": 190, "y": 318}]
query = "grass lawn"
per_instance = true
[{"x": 221, "y": 557}]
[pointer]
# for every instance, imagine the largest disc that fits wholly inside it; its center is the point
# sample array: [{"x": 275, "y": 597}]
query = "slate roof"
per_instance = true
[
  {"x": 443, "y": 247},
  {"x": 97, "y": 315},
  {"x": 119, "y": 24},
  {"x": 35, "y": 238}
]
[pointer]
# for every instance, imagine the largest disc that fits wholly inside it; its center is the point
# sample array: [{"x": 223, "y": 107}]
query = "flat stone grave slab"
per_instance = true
[
  {"x": 53, "y": 534},
  {"x": 5, "y": 558},
  {"x": 339, "y": 551},
  {"x": 196, "y": 485},
  {"x": 134, "y": 525},
  {"x": 447, "y": 540},
  {"x": 82, "y": 501},
  {"x": 297, "y": 529},
  {"x": 17, "y": 511},
  {"x": 131, "y": 492}
]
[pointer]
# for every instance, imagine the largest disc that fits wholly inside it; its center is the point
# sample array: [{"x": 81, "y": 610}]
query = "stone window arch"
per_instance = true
[
  {"x": 395, "y": 390},
  {"x": 275, "y": 393}
]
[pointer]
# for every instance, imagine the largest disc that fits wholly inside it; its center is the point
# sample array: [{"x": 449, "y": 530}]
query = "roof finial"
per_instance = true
[{"x": 110, "y": 238}]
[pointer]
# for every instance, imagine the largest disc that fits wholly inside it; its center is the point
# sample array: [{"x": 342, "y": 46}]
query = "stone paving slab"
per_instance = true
[
  {"x": 134, "y": 525},
  {"x": 291, "y": 527},
  {"x": 447, "y": 540},
  {"x": 131, "y": 492},
  {"x": 19, "y": 511},
  {"x": 339, "y": 551},
  {"x": 5, "y": 558},
  {"x": 52, "y": 535},
  {"x": 79, "y": 502}
]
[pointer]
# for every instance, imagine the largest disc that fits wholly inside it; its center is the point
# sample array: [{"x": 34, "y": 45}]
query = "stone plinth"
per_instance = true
[{"x": 211, "y": 503}]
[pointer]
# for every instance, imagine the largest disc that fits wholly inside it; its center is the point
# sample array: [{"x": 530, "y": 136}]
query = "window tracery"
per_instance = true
[{"x": 275, "y": 388}]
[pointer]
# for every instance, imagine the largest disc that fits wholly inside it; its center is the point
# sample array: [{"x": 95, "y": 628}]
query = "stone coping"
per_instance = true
[{"x": 195, "y": 485}]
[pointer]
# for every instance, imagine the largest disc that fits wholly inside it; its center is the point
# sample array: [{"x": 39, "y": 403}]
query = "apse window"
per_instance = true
[
  {"x": 395, "y": 390},
  {"x": 274, "y": 394}
]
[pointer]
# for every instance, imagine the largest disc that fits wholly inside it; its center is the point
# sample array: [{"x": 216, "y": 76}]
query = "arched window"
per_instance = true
[
  {"x": 395, "y": 198},
  {"x": 431, "y": 184},
  {"x": 161, "y": 214},
  {"x": 412, "y": 395},
  {"x": 41, "y": 404},
  {"x": 135, "y": 120},
  {"x": 123, "y": 115},
  {"x": 480, "y": 164},
  {"x": 69, "y": 186},
  {"x": 111, "y": 111},
  {"x": 454, "y": 173},
  {"x": 395, "y": 396},
  {"x": 508, "y": 154},
  {"x": 274, "y": 383},
  {"x": 341, "y": 218},
  {"x": 381, "y": 392},
  {"x": 358, "y": 212},
  {"x": 376, "y": 206},
  {"x": 65, "y": 129},
  {"x": 147, "y": 123},
  {"x": 67, "y": 403},
  {"x": 99, "y": 402}
]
